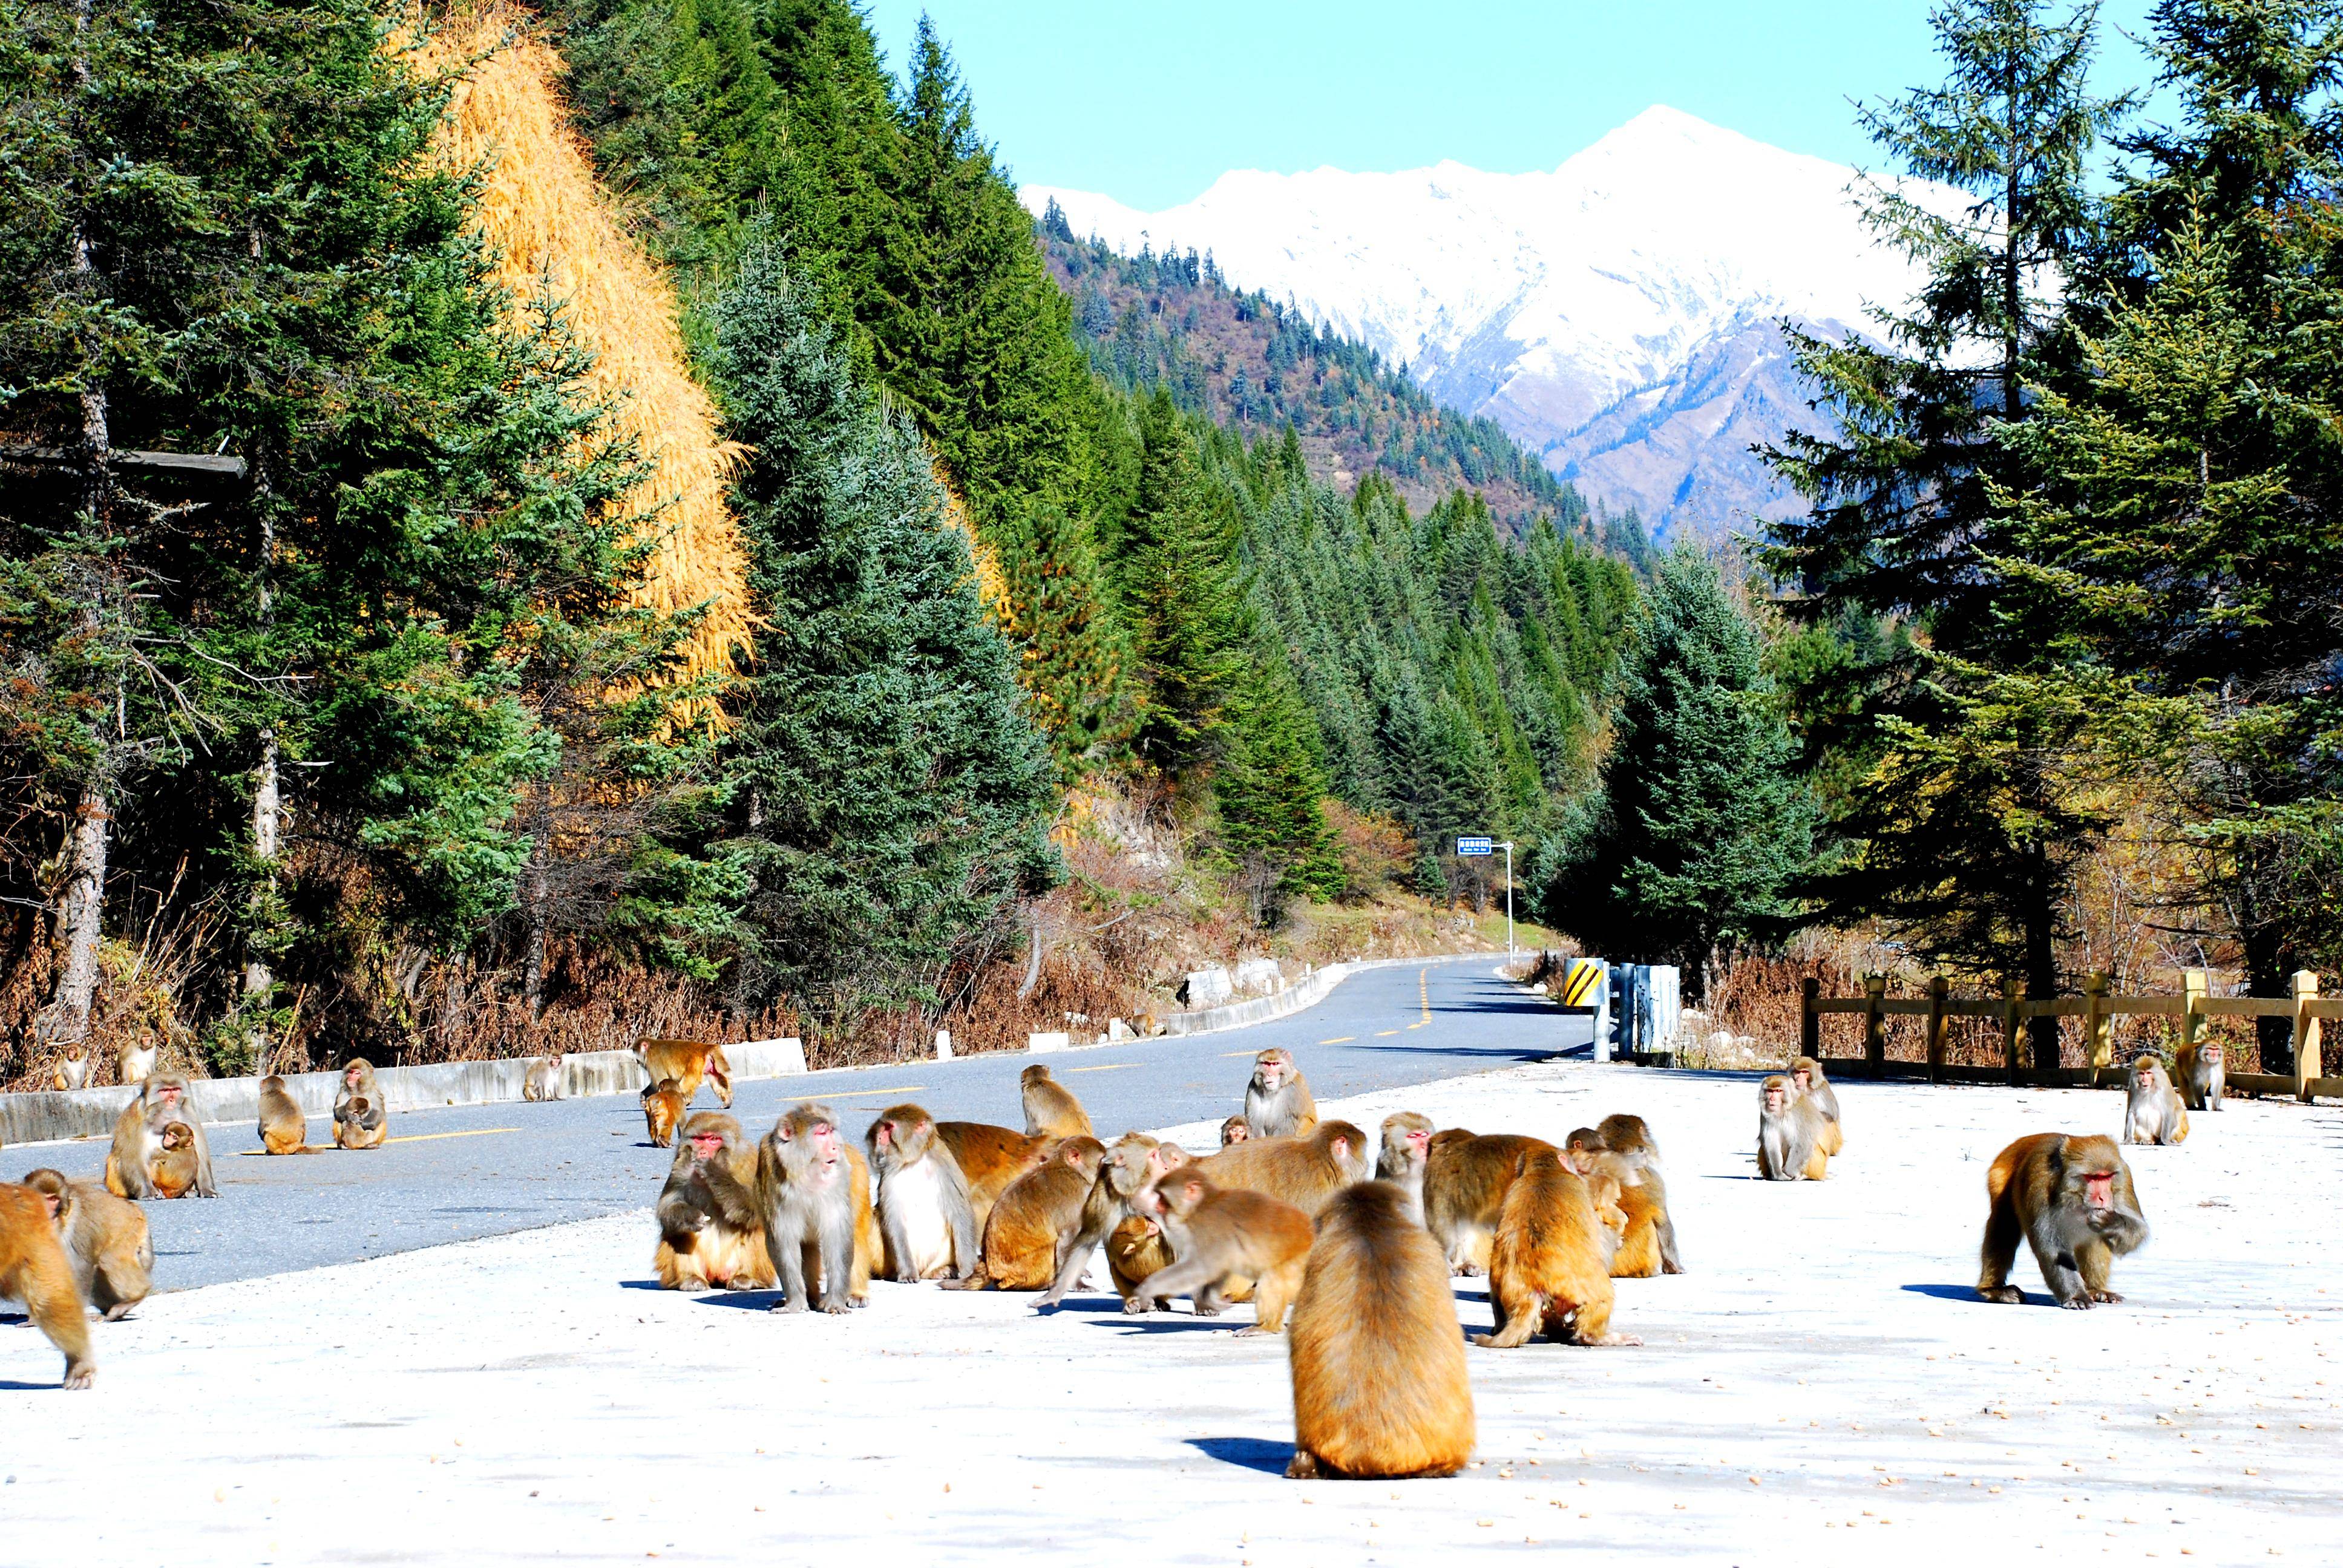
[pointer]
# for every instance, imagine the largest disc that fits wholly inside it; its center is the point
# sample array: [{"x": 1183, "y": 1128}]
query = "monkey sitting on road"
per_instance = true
[
  {"x": 1549, "y": 1265},
  {"x": 1791, "y": 1131},
  {"x": 926, "y": 1218},
  {"x": 1050, "y": 1110},
  {"x": 711, "y": 1226},
  {"x": 2152, "y": 1110},
  {"x": 162, "y": 1099},
  {"x": 1647, "y": 1241},
  {"x": 33, "y": 1270},
  {"x": 104, "y": 1238},
  {"x": 542, "y": 1081},
  {"x": 283, "y": 1130},
  {"x": 1380, "y": 1386},
  {"x": 1407, "y": 1145},
  {"x": 1234, "y": 1130},
  {"x": 1036, "y": 1222},
  {"x": 815, "y": 1192},
  {"x": 1807, "y": 1078},
  {"x": 1277, "y": 1101},
  {"x": 2072, "y": 1201},
  {"x": 360, "y": 1118},
  {"x": 1218, "y": 1238},
  {"x": 171, "y": 1169}
]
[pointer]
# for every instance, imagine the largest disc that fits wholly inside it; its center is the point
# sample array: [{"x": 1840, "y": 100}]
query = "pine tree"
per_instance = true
[
  {"x": 1269, "y": 788},
  {"x": 1184, "y": 595},
  {"x": 1699, "y": 825},
  {"x": 891, "y": 801}
]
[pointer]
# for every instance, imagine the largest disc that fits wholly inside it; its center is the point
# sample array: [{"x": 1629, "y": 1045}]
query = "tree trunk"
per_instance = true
[
  {"x": 268, "y": 801},
  {"x": 2041, "y": 961},
  {"x": 66, "y": 1017}
]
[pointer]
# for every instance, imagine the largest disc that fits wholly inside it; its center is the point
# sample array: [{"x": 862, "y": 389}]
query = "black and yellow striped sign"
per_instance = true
[{"x": 1579, "y": 980}]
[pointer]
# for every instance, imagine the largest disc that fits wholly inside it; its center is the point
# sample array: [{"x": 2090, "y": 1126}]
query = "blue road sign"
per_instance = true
[{"x": 1474, "y": 846}]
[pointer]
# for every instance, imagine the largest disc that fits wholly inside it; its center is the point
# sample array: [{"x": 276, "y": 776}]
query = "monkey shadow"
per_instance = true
[
  {"x": 1246, "y": 1453},
  {"x": 1963, "y": 1293}
]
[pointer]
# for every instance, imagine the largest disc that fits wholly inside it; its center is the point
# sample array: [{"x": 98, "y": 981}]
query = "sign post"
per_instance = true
[{"x": 1481, "y": 844}]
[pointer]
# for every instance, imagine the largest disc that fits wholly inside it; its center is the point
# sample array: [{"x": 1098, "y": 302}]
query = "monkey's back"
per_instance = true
[
  {"x": 1547, "y": 1242},
  {"x": 1377, "y": 1357}
]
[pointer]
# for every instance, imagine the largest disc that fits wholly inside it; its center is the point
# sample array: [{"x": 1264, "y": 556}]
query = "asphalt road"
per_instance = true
[{"x": 466, "y": 1172}]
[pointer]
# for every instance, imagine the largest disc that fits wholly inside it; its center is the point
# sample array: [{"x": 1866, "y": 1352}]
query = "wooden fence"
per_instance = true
[{"x": 2096, "y": 1007}]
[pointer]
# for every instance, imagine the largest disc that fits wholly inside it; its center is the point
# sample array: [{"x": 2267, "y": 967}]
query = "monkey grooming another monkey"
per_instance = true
[
  {"x": 1303, "y": 1172},
  {"x": 1807, "y": 1078},
  {"x": 1234, "y": 1130},
  {"x": 1219, "y": 1237},
  {"x": 33, "y": 1270},
  {"x": 542, "y": 1081},
  {"x": 106, "y": 1242},
  {"x": 1277, "y": 1100},
  {"x": 1465, "y": 1176},
  {"x": 162, "y": 1099},
  {"x": 283, "y": 1129},
  {"x": 73, "y": 1071},
  {"x": 926, "y": 1217},
  {"x": 1648, "y": 1240},
  {"x": 1050, "y": 1108},
  {"x": 2203, "y": 1074},
  {"x": 2152, "y": 1110},
  {"x": 1549, "y": 1267},
  {"x": 361, "y": 1114},
  {"x": 1380, "y": 1385},
  {"x": 1790, "y": 1133},
  {"x": 2072, "y": 1200},
  {"x": 1628, "y": 1135},
  {"x": 663, "y": 1107},
  {"x": 1407, "y": 1144},
  {"x": 712, "y": 1224},
  {"x": 1035, "y": 1223},
  {"x": 1107, "y": 1217},
  {"x": 815, "y": 1190}
]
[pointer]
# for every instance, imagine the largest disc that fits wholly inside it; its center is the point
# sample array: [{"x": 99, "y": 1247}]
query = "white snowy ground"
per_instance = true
[{"x": 1818, "y": 1389}]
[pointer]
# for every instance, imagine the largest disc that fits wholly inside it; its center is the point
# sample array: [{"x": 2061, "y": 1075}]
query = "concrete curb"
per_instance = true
[
  {"x": 1311, "y": 989},
  {"x": 55, "y": 1115}
]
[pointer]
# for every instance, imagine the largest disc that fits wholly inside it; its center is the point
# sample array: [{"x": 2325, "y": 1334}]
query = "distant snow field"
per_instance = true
[{"x": 1821, "y": 1387}]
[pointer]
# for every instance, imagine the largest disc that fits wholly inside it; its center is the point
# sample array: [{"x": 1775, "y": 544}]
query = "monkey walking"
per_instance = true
[
  {"x": 2203, "y": 1074},
  {"x": 663, "y": 1104},
  {"x": 33, "y": 1270},
  {"x": 1218, "y": 1238},
  {"x": 1791, "y": 1132},
  {"x": 1050, "y": 1110},
  {"x": 1277, "y": 1101},
  {"x": 1380, "y": 1385},
  {"x": 2071, "y": 1199},
  {"x": 104, "y": 1238},
  {"x": 2152, "y": 1109},
  {"x": 689, "y": 1062},
  {"x": 1134, "y": 1243},
  {"x": 815, "y": 1192}
]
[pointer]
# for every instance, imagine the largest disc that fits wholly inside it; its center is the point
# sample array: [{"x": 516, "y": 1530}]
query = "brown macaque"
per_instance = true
[
  {"x": 1791, "y": 1130},
  {"x": 34, "y": 1270},
  {"x": 2152, "y": 1109},
  {"x": 1234, "y": 1130},
  {"x": 361, "y": 1114},
  {"x": 1466, "y": 1177},
  {"x": 1130, "y": 1239},
  {"x": 1380, "y": 1385},
  {"x": 2071, "y": 1199},
  {"x": 1628, "y": 1135},
  {"x": 1549, "y": 1266},
  {"x": 663, "y": 1110},
  {"x": 1303, "y": 1172},
  {"x": 1218, "y": 1237},
  {"x": 171, "y": 1167},
  {"x": 162, "y": 1099},
  {"x": 1407, "y": 1144},
  {"x": 711, "y": 1222},
  {"x": 1036, "y": 1222},
  {"x": 1277, "y": 1100},
  {"x": 991, "y": 1158},
  {"x": 106, "y": 1241},
  {"x": 815, "y": 1192},
  {"x": 542, "y": 1081},
  {"x": 1050, "y": 1108},
  {"x": 689, "y": 1062},
  {"x": 135, "y": 1062},
  {"x": 926, "y": 1219},
  {"x": 1647, "y": 1237},
  {"x": 1806, "y": 1077},
  {"x": 73, "y": 1069},
  {"x": 283, "y": 1130},
  {"x": 2202, "y": 1071}
]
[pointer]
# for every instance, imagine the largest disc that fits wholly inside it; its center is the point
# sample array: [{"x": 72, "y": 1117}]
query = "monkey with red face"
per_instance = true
[{"x": 2072, "y": 1201}]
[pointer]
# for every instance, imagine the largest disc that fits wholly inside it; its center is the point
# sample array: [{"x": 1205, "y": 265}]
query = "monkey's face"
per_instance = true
[
  {"x": 1801, "y": 1079},
  {"x": 2098, "y": 1189},
  {"x": 706, "y": 1146},
  {"x": 351, "y": 1075},
  {"x": 1270, "y": 1074},
  {"x": 886, "y": 1136},
  {"x": 1165, "y": 1157},
  {"x": 169, "y": 1095},
  {"x": 1777, "y": 1100}
]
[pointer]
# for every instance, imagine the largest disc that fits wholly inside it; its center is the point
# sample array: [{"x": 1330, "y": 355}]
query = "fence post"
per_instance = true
[
  {"x": 2193, "y": 985},
  {"x": 2098, "y": 1034},
  {"x": 1875, "y": 1033},
  {"x": 2306, "y": 1034},
  {"x": 1938, "y": 988},
  {"x": 2012, "y": 1023},
  {"x": 1810, "y": 1018}
]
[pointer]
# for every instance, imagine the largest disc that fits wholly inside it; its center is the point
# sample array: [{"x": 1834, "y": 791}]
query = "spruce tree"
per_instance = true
[
  {"x": 1699, "y": 823},
  {"x": 1269, "y": 788},
  {"x": 1184, "y": 594}
]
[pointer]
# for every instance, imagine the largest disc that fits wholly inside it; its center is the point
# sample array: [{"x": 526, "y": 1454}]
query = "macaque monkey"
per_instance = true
[
  {"x": 283, "y": 1130},
  {"x": 928, "y": 1224},
  {"x": 33, "y": 1270},
  {"x": 663, "y": 1108},
  {"x": 1380, "y": 1387},
  {"x": 361, "y": 1117},
  {"x": 1647, "y": 1237},
  {"x": 1806, "y": 1075},
  {"x": 711, "y": 1224},
  {"x": 543, "y": 1079},
  {"x": 1050, "y": 1108},
  {"x": 171, "y": 1167},
  {"x": 1625, "y": 1134},
  {"x": 991, "y": 1158},
  {"x": 1790, "y": 1133},
  {"x": 1234, "y": 1130},
  {"x": 1303, "y": 1172},
  {"x": 1277, "y": 1100},
  {"x": 1218, "y": 1237},
  {"x": 1037, "y": 1221},
  {"x": 136, "y": 1061},
  {"x": 1407, "y": 1144},
  {"x": 105, "y": 1239},
  {"x": 1549, "y": 1269},
  {"x": 2071, "y": 1198},
  {"x": 1466, "y": 1177},
  {"x": 689, "y": 1062},
  {"x": 2203, "y": 1074},
  {"x": 1134, "y": 1243},
  {"x": 815, "y": 1192},
  {"x": 2152, "y": 1109},
  {"x": 162, "y": 1099},
  {"x": 73, "y": 1071}
]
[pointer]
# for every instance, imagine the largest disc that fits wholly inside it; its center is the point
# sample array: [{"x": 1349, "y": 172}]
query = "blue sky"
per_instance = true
[{"x": 1147, "y": 103}]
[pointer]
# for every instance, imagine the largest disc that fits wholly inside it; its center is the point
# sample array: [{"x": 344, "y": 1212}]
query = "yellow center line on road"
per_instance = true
[
  {"x": 1424, "y": 995},
  {"x": 1340, "y": 1039},
  {"x": 1240, "y": 1053},
  {"x": 1384, "y": 1034},
  {"x": 428, "y": 1136},
  {"x": 1111, "y": 1067}
]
